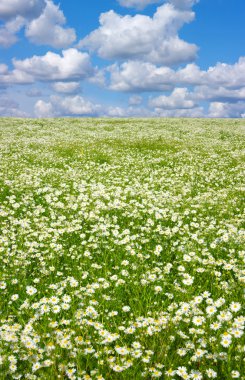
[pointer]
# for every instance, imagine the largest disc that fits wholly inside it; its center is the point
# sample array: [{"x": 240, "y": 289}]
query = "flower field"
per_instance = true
[{"x": 122, "y": 249}]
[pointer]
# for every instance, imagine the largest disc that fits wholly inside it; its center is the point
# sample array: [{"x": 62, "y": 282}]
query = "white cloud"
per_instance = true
[
  {"x": 98, "y": 77},
  {"x": 72, "y": 64},
  {"x": 68, "y": 106},
  {"x": 3, "y": 69},
  {"x": 48, "y": 30},
  {"x": 138, "y": 4},
  {"x": 44, "y": 109},
  {"x": 218, "y": 109},
  {"x": 180, "y": 98},
  {"x": 58, "y": 106},
  {"x": 8, "y": 31},
  {"x": 141, "y": 37},
  {"x": 220, "y": 94},
  {"x": 183, "y": 4},
  {"x": 29, "y": 9},
  {"x": 192, "y": 112},
  {"x": 14, "y": 77},
  {"x": 6, "y": 37},
  {"x": 141, "y": 4},
  {"x": 42, "y": 19},
  {"x": 140, "y": 76},
  {"x": 66, "y": 87},
  {"x": 219, "y": 82},
  {"x": 144, "y": 76},
  {"x": 115, "y": 111},
  {"x": 190, "y": 75},
  {"x": 228, "y": 75}
]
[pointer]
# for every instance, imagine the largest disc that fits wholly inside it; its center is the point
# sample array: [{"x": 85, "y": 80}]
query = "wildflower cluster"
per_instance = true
[{"x": 122, "y": 249}]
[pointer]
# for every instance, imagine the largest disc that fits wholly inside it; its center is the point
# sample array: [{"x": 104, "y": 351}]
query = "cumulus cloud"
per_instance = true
[
  {"x": 218, "y": 109},
  {"x": 44, "y": 109},
  {"x": 58, "y": 106},
  {"x": 220, "y": 94},
  {"x": 8, "y": 31},
  {"x": 48, "y": 28},
  {"x": 180, "y": 103},
  {"x": 139, "y": 112},
  {"x": 3, "y": 69},
  {"x": 29, "y": 9},
  {"x": 141, "y": 37},
  {"x": 71, "y": 64},
  {"x": 180, "y": 98},
  {"x": 143, "y": 76},
  {"x": 138, "y": 4},
  {"x": 66, "y": 87},
  {"x": 221, "y": 82},
  {"x": 117, "y": 112},
  {"x": 67, "y": 106},
  {"x": 98, "y": 77},
  {"x": 42, "y": 19},
  {"x": 140, "y": 76},
  {"x": 192, "y": 112},
  {"x": 183, "y": 4},
  {"x": 228, "y": 75},
  {"x": 141, "y": 4},
  {"x": 14, "y": 77}
]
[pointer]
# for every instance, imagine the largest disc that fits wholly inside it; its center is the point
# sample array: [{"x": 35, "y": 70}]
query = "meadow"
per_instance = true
[{"x": 122, "y": 249}]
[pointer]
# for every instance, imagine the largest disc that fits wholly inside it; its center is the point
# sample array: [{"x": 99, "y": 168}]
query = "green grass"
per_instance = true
[{"x": 126, "y": 232}]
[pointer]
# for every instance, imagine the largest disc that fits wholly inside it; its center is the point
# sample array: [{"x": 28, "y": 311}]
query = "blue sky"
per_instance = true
[{"x": 122, "y": 58}]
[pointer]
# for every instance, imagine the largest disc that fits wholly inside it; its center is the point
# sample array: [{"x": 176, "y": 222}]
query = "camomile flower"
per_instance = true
[
  {"x": 129, "y": 330},
  {"x": 170, "y": 372},
  {"x": 126, "y": 309},
  {"x": 156, "y": 373},
  {"x": 211, "y": 373},
  {"x": 121, "y": 350},
  {"x": 36, "y": 366},
  {"x": 206, "y": 294},
  {"x": 211, "y": 310},
  {"x": 235, "y": 375},
  {"x": 54, "y": 300},
  {"x": 196, "y": 375},
  {"x": 117, "y": 368},
  {"x": 158, "y": 289},
  {"x": 198, "y": 299},
  {"x": 137, "y": 353},
  {"x": 14, "y": 297},
  {"x": 237, "y": 333},
  {"x": 56, "y": 309},
  {"x": 215, "y": 326},
  {"x": 181, "y": 352},
  {"x": 13, "y": 367},
  {"x": 66, "y": 298},
  {"x": 235, "y": 306},
  {"x": 188, "y": 281},
  {"x": 136, "y": 345},
  {"x": 30, "y": 290},
  {"x": 45, "y": 308},
  {"x": 181, "y": 371},
  {"x": 198, "y": 320},
  {"x": 65, "y": 306},
  {"x": 225, "y": 342}
]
